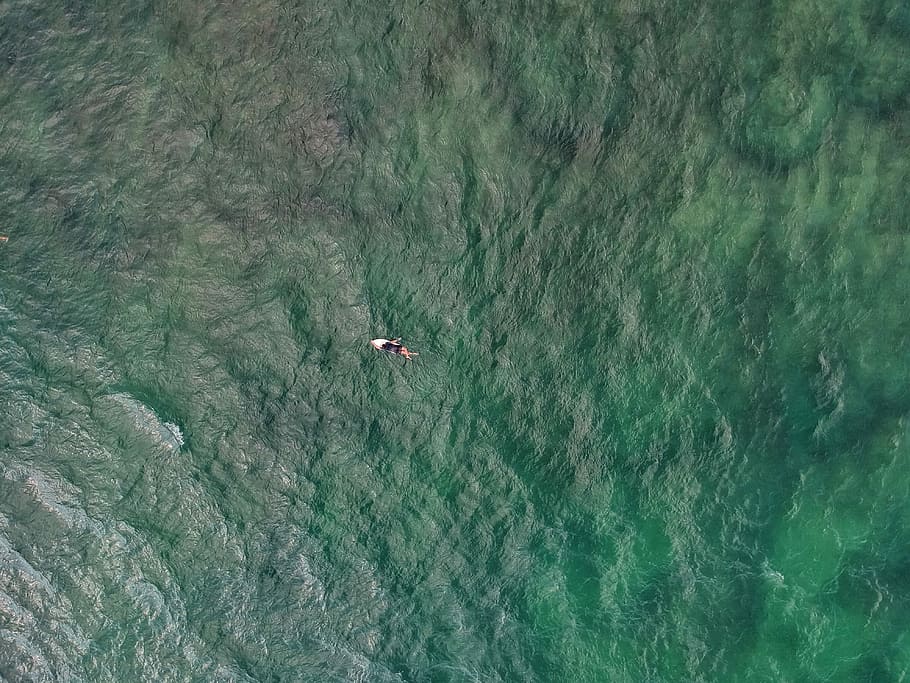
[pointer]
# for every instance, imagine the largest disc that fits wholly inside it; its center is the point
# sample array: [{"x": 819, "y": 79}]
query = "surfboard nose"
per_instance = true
[{"x": 377, "y": 343}]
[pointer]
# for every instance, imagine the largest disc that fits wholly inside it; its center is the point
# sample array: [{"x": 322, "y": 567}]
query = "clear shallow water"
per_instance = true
[{"x": 700, "y": 474}]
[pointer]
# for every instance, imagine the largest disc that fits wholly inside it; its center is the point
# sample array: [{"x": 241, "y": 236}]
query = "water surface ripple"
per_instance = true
[{"x": 654, "y": 258}]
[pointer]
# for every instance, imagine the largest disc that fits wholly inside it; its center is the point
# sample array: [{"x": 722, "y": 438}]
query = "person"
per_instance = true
[{"x": 393, "y": 346}]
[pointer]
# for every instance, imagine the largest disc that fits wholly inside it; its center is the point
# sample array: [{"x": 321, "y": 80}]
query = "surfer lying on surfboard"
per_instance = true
[{"x": 393, "y": 346}]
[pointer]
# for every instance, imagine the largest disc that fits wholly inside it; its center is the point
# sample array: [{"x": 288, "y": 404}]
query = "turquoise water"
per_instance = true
[{"x": 654, "y": 258}]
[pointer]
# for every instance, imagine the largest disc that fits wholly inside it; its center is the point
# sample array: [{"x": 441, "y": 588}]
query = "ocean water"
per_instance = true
[{"x": 654, "y": 256}]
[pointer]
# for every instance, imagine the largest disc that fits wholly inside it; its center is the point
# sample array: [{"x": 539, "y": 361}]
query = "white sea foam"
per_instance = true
[
  {"x": 145, "y": 419},
  {"x": 175, "y": 433}
]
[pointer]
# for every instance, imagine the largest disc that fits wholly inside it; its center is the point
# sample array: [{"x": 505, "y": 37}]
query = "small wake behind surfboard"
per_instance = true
[{"x": 393, "y": 346}]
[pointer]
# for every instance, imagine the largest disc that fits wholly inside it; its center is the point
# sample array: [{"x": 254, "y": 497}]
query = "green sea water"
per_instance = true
[{"x": 654, "y": 256}]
